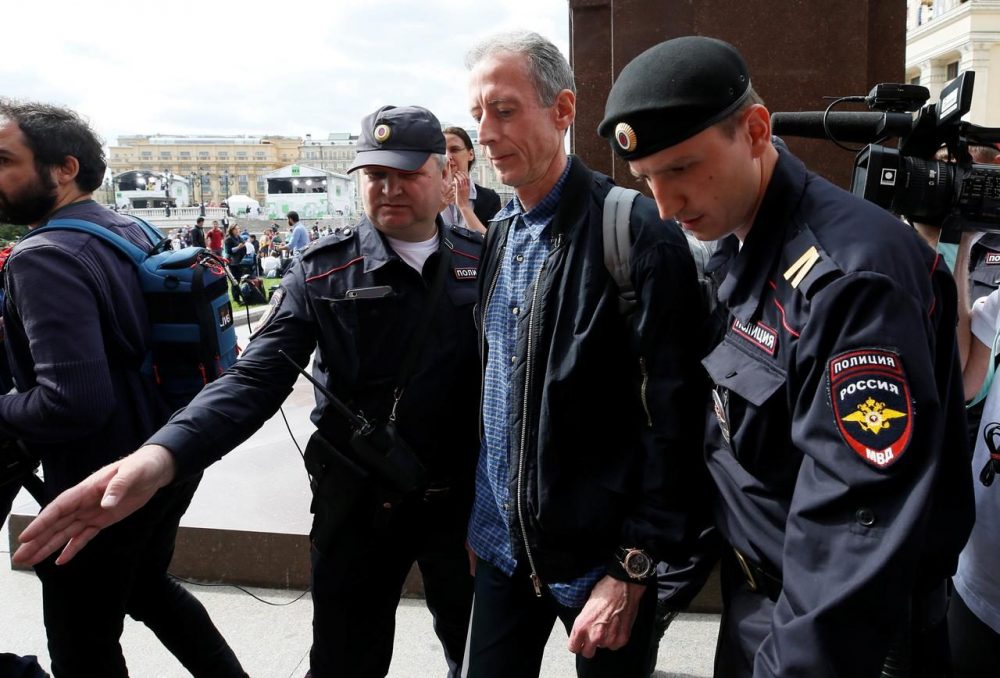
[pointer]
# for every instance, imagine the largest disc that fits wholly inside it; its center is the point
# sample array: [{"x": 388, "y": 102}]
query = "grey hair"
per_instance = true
[{"x": 548, "y": 67}]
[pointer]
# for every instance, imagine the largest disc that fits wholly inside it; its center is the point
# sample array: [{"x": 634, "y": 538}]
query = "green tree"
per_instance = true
[{"x": 11, "y": 232}]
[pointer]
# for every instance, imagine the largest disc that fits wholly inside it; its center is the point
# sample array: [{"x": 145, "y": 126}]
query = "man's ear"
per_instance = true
[
  {"x": 66, "y": 172},
  {"x": 758, "y": 126},
  {"x": 564, "y": 109}
]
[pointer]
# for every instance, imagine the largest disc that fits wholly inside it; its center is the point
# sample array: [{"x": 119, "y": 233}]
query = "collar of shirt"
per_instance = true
[
  {"x": 472, "y": 190},
  {"x": 747, "y": 277},
  {"x": 541, "y": 215}
]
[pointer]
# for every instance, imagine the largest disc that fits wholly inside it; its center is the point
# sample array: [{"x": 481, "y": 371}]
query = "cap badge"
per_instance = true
[
  {"x": 625, "y": 136},
  {"x": 382, "y": 133}
]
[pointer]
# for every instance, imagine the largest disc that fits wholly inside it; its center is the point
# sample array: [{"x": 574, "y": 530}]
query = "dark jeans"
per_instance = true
[
  {"x": 356, "y": 587},
  {"x": 510, "y": 626},
  {"x": 124, "y": 571},
  {"x": 975, "y": 647}
]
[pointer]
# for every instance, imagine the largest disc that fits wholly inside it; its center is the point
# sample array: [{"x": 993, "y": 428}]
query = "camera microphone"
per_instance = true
[{"x": 856, "y": 126}]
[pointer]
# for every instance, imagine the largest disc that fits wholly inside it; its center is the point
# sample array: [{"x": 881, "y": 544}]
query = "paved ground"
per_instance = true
[
  {"x": 262, "y": 486},
  {"x": 273, "y": 642}
]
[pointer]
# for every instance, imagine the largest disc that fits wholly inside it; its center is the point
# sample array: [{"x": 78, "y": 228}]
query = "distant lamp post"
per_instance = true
[
  {"x": 201, "y": 210},
  {"x": 225, "y": 189},
  {"x": 191, "y": 179},
  {"x": 167, "y": 178}
]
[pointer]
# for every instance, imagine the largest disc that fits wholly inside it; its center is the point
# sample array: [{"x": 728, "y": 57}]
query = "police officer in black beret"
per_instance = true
[
  {"x": 359, "y": 298},
  {"x": 836, "y": 432}
]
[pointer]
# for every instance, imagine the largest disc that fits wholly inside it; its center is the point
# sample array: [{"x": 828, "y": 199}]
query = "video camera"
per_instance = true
[{"x": 908, "y": 180}]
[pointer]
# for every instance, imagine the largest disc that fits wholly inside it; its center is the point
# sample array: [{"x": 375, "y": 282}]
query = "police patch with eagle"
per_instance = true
[{"x": 871, "y": 404}]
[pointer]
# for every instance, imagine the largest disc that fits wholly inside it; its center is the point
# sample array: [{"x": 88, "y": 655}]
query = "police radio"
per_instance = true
[{"x": 908, "y": 180}]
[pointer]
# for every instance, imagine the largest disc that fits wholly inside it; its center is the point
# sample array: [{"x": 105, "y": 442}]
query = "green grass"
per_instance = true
[{"x": 269, "y": 284}]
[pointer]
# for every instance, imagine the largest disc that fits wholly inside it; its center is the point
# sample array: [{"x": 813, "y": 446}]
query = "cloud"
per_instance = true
[{"x": 254, "y": 67}]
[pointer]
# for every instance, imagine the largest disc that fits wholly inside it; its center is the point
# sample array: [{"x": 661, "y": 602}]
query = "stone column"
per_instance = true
[{"x": 798, "y": 52}]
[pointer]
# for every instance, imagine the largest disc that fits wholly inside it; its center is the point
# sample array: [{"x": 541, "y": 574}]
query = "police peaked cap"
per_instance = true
[
  {"x": 399, "y": 137},
  {"x": 671, "y": 92}
]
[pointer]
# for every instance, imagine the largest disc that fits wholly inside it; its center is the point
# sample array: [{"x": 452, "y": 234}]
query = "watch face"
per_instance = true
[{"x": 638, "y": 564}]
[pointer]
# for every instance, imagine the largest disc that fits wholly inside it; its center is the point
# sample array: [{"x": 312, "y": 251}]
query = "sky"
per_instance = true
[{"x": 252, "y": 67}]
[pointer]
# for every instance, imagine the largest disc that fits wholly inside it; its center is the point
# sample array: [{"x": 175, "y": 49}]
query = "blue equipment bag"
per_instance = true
[{"x": 193, "y": 336}]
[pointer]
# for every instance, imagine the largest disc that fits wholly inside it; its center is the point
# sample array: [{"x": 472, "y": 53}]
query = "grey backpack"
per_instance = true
[{"x": 618, "y": 248}]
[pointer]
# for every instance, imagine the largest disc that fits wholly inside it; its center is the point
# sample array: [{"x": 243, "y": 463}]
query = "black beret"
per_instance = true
[{"x": 671, "y": 92}]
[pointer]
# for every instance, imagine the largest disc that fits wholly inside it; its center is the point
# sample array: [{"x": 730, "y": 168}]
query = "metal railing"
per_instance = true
[{"x": 176, "y": 213}]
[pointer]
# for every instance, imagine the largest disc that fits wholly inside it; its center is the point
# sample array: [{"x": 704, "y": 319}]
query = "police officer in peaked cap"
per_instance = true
[
  {"x": 836, "y": 431},
  {"x": 357, "y": 300}
]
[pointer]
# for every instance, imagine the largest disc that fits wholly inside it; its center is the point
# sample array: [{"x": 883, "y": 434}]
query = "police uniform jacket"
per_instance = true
[
  {"x": 603, "y": 453},
  {"x": 984, "y": 266},
  {"x": 77, "y": 334},
  {"x": 837, "y": 433},
  {"x": 358, "y": 304}
]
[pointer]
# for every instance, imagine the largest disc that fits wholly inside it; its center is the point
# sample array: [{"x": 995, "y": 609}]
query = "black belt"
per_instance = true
[{"x": 757, "y": 578}]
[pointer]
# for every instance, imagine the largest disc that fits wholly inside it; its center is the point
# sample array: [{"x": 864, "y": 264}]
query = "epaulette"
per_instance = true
[
  {"x": 463, "y": 232},
  {"x": 339, "y": 235},
  {"x": 805, "y": 263}
]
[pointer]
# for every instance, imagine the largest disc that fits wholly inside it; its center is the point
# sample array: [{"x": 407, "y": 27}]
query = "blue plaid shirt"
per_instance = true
[{"x": 528, "y": 243}]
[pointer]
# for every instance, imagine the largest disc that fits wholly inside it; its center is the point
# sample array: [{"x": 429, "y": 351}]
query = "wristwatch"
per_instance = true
[{"x": 637, "y": 563}]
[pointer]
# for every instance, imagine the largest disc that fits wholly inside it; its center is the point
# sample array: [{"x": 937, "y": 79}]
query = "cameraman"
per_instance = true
[{"x": 76, "y": 337}]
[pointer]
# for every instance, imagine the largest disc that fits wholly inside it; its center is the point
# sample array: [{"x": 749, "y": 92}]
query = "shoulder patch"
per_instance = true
[{"x": 871, "y": 404}]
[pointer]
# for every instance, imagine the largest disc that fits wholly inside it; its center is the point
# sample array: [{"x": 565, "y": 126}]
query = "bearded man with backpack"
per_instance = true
[{"x": 77, "y": 337}]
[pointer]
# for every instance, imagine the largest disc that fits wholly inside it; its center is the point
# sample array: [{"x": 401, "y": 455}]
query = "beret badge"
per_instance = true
[{"x": 625, "y": 137}]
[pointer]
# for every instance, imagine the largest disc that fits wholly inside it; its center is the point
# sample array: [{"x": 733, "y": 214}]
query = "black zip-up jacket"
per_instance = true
[
  {"x": 612, "y": 441},
  {"x": 76, "y": 336}
]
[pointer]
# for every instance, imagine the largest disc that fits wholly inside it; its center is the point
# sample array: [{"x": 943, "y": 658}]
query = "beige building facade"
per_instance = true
[
  {"x": 947, "y": 37},
  {"x": 216, "y": 166}
]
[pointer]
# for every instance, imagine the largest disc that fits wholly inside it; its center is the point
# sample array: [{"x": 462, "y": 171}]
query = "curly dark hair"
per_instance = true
[{"x": 53, "y": 133}]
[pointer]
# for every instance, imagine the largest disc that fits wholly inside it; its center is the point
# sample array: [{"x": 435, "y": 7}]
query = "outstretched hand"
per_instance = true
[
  {"x": 606, "y": 619},
  {"x": 102, "y": 499}
]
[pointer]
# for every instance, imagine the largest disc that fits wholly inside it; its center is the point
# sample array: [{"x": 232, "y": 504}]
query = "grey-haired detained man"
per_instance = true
[
  {"x": 589, "y": 470},
  {"x": 836, "y": 430},
  {"x": 355, "y": 300}
]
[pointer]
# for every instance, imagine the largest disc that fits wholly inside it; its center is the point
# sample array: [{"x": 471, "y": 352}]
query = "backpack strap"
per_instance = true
[
  {"x": 618, "y": 244},
  {"x": 124, "y": 245},
  {"x": 618, "y": 248}
]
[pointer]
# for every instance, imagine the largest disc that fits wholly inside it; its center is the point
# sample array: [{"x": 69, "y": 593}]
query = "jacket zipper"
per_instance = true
[
  {"x": 642, "y": 390},
  {"x": 536, "y": 581}
]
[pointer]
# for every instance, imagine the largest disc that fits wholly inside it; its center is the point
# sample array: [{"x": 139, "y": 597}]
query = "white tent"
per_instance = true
[{"x": 239, "y": 203}]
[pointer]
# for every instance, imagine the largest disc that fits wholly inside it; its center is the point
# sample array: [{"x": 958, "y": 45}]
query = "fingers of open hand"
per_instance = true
[{"x": 76, "y": 544}]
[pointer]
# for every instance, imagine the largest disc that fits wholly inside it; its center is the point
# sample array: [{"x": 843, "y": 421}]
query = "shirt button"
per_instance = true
[
  {"x": 519, "y": 258},
  {"x": 865, "y": 517},
  {"x": 515, "y": 310},
  {"x": 513, "y": 359}
]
